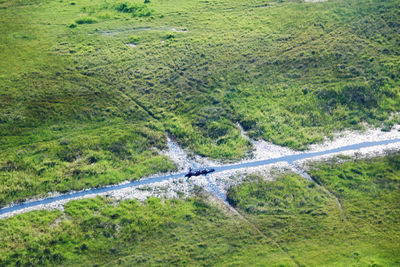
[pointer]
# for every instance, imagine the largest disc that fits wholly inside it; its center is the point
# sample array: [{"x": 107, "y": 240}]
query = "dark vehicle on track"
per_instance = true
[{"x": 198, "y": 172}]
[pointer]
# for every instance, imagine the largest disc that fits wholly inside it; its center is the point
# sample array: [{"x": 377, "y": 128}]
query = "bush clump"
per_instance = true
[
  {"x": 169, "y": 36},
  {"x": 86, "y": 20},
  {"x": 133, "y": 39},
  {"x": 136, "y": 10}
]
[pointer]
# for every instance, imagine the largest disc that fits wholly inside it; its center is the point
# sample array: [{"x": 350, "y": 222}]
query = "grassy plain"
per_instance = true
[
  {"x": 94, "y": 231},
  {"x": 300, "y": 223},
  {"x": 307, "y": 221},
  {"x": 290, "y": 72},
  {"x": 76, "y": 156}
]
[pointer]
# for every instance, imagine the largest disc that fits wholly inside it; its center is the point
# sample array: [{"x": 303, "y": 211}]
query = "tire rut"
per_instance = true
[
  {"x": 304, "y": 174},
  {"x": 236, "y": 212}
]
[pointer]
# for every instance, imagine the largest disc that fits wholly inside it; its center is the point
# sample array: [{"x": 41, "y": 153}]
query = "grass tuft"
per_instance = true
[{"x": 86, "y": 20}]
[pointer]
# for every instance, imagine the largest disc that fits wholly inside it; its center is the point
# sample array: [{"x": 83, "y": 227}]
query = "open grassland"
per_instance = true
[
  {"x": 285, "y": 222},
  {"x": 77, "y": 156},
  {"x": 94, "y": 231},
  {"x": 290, "y": 72},
  {"x": 308, "y": 222}
]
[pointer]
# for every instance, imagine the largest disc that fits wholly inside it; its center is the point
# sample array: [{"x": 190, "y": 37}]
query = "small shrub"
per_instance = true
[
  {"x": 86, "y": 20},
  {"x": 133, "y": 39},
  {"x": 119, "y": 149},
  {"x": 72, "y": 25},
  {"x": 137, "y": 10},
  {"x": 93, "y": 159},
  {"x": 169, "y": 36},
  {"x": 21, "y": 36},
  {"x": 69, "y": 153},
  {"x": 104, "y": 15},
  {"x": 386, "y": 128}
]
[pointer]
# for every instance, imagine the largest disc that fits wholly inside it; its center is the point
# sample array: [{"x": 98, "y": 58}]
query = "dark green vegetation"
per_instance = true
[
  {"x": 76, "y": 156},
  {"x": 94, "y": 231},
  {"x": 137, "y": 10},
  {"x": 307, "y": 221},
  {"x": 300, "y": 222},
  {"x": 290, "y": 72}
]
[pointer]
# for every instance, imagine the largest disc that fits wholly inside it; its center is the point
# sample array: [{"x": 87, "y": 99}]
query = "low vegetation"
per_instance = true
[
  {"x": 290, "y": 221},
  {"x": 136, "y": 10},
  {"x": 79, "y": 108},
  {"x": 74, "y": 157},
  {"x": 290, "y": 72},
  {"x": 369, "y": 192},
  {"x": 94, "y": 231},
  {"x": 306, "y": 220},
  {"x": 86, "y": 20}
]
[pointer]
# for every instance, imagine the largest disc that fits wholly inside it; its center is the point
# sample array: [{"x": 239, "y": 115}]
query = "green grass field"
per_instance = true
[
  {"x": 290, "y": 72},
  {"x": 90, "y": 88},
  {"x": 94, "y": 231},
  {"x": 307, "y": 221},
  {"x": 76, "y": 156},
  {"x": 286, "y": 222}
]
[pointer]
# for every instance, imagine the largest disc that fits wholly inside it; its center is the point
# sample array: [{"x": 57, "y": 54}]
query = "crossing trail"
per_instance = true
[{"x": 218, "y": 169}]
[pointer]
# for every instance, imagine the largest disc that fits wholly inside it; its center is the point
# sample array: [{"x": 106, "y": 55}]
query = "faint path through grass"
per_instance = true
[
  {"x": 138, "y": 29},
  {"x": 304, "y": 174},
  {"x": 239, "y": 215}
]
